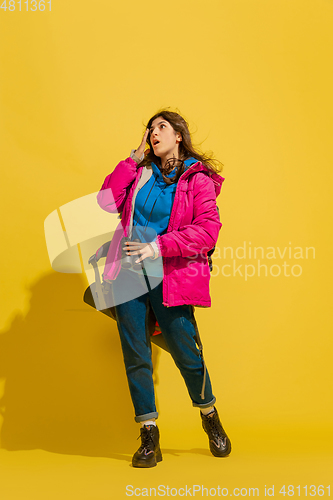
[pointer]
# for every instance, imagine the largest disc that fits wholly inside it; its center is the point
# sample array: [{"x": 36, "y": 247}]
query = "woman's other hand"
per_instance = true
[
  {"x": 141, "y": 148},
  {"x": 144, "y": 249}
]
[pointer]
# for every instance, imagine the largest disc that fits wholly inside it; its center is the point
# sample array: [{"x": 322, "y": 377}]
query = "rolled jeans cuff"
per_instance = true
[
  {"x": 205, "y": 405},
  {"x": 147, "y": 416}
]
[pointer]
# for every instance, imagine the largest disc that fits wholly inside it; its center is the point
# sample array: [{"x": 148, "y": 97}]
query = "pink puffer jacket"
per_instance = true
[{"x": 192, "y": 231}]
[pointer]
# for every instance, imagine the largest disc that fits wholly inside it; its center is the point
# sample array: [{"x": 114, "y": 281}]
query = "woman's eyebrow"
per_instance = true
[{"x": 159, "y": 123}]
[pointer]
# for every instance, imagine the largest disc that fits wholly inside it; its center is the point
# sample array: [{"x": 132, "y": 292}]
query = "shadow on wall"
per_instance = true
[{"x": 66, "y": 389}]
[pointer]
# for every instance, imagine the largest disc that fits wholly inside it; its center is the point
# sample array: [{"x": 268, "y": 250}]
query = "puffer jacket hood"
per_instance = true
[{"x": 216, "y": 178}]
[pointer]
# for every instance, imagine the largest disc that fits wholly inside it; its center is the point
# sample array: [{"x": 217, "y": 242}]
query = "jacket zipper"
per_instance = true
[{"x": 169, "y": 228}]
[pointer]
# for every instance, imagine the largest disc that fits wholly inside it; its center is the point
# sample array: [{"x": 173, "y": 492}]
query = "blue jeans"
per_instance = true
[{"x": 177, "y": 324}]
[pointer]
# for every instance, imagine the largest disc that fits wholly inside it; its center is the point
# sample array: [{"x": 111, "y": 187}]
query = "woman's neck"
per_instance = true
[{"x": 164, "y": 160}]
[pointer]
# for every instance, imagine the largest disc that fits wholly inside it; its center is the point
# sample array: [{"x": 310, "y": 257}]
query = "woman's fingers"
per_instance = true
[
  {"x": 132, "y": 244},
  {"x": 135, "y": 250},
  {"x": 144, "y": 140},
  {"x": 141, "y": 148},
  {"x": 142, "y": 249},
  {"x": 145, "y": 252},
  {"x": 145, "y": 136}
]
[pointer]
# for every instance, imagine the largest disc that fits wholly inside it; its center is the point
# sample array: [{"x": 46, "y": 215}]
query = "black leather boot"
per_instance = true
[
  {"x": 149, "y": 452},
  {"x": 219, "y": 443}
]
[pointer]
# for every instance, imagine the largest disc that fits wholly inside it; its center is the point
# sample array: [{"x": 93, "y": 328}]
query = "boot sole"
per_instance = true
[
  {"x": 218, "y": 454},
  {"x": 148, "y": 463}
]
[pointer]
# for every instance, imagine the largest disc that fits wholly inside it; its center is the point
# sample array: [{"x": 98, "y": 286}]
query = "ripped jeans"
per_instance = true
[{"x": 178, "y": 327}]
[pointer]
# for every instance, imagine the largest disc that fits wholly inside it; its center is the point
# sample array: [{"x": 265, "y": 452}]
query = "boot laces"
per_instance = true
[{"x": 216, "y": 430}]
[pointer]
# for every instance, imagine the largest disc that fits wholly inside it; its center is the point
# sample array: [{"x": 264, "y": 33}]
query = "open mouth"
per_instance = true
[{"x": 156, "y": 142}]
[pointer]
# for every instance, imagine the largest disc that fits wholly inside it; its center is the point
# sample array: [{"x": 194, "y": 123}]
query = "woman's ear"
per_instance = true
[{"x": 179, "y": 137}]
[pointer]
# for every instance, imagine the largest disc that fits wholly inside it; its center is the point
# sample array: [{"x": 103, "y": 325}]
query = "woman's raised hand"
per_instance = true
[{"x": 141, "y": 148}]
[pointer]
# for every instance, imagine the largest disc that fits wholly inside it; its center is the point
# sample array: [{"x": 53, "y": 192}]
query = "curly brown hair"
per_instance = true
[{"x": 186, "y": 148}]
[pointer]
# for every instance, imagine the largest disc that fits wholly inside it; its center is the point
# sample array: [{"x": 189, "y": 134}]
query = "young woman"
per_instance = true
[{"x": 166, "y": 196}]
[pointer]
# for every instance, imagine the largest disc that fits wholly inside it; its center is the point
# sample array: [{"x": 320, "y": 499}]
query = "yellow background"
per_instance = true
[{"x": 254, "y": 80}]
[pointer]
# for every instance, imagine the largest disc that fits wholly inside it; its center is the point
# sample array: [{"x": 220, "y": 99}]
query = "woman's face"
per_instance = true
[{"x": 163, "y": 138}]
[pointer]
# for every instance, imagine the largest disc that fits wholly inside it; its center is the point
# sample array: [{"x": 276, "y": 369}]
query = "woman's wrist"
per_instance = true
[{"x": 154, "y": 246}]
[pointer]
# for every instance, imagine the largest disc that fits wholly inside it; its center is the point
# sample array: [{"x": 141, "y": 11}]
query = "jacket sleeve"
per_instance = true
[
  {"x": 116, "y": 186},
  {"x": 201, "y": 235}
]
